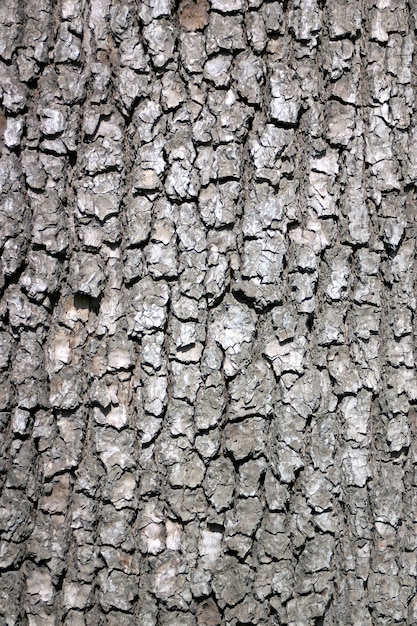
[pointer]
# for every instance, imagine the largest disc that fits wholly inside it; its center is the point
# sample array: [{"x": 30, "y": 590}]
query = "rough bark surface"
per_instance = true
[{"x": 208, "y": 312}]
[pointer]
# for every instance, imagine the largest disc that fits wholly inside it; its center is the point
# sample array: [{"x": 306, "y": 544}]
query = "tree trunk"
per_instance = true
[{"x": 208, "y": 313}]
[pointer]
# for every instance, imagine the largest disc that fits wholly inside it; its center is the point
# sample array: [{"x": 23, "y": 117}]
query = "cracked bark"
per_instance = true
[{"x": 207, "y": 319}]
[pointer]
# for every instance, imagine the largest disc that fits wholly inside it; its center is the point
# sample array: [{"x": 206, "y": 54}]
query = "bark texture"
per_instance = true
[{"x": 208, "y": 313}]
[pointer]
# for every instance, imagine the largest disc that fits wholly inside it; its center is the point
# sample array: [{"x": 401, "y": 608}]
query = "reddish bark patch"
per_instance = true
[
  {"x": 208, "y": 613},
  {"x": 3, "y": 124},
  {"x": 194, "y": 15}
]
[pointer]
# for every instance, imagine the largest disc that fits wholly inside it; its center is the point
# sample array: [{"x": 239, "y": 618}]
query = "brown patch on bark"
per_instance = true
[
  {"x": 3, "y": 124},
  {"x": 208, "y": 613},
  {"x": 57, "y": 501},
  {"x": 412, "y": 415},
  {"x": 193, "y": 15},
  {"x": 275, "y": 46},
  {"x": 103, "y": 57}
]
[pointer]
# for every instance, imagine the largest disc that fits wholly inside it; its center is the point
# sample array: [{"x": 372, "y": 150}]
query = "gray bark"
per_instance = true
[{"x": 207, "y": 319}]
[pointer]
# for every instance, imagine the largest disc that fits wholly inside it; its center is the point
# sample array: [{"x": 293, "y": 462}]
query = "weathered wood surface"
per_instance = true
[{"x": 208, "y": 313}]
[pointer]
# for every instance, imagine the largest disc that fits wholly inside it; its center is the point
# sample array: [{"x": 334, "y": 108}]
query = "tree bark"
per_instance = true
[{"x": 207, "y": 316}]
